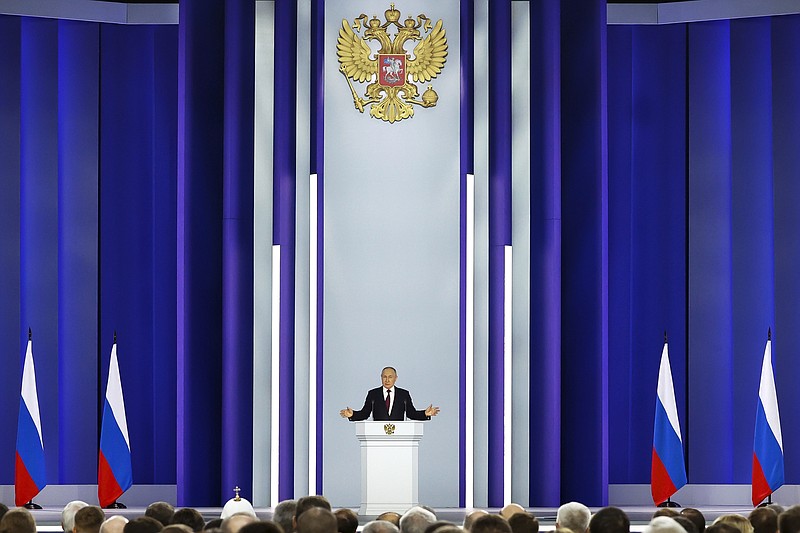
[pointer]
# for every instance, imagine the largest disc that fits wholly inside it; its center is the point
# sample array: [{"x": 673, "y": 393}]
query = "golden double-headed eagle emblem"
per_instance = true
[{"x": 392, "y": 71}]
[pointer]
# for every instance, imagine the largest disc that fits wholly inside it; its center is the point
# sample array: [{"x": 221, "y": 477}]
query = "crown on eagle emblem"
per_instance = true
[{"x": 391, "y": 72}]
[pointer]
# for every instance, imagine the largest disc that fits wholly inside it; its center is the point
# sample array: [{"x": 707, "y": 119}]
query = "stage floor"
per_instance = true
[{"x": 49, "y": 519}]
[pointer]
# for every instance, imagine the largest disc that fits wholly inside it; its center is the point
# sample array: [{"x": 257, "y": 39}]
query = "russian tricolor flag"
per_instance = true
[
  {"x": 668, "y": 471},
  {"x": 114, "y": 475},
  {"x": 768, "y": 442},
  {"x": 29, "y": 473}
]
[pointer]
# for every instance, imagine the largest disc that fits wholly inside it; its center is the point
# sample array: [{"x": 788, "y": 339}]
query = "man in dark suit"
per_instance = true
[{"x": 389, "y": 403}]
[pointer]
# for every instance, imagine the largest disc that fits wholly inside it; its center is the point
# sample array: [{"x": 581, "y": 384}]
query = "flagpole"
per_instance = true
[{"x": 31, "y": 504}]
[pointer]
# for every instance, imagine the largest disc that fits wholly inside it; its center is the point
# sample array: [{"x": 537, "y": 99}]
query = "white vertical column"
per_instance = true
[
  {"x": 312, "y": 335},
  {"x": 469, "y": 361},
  {"x": 262, "y": 250},
  {"x": 275, "y": 404},
  {"x": 507, "y": 374}
]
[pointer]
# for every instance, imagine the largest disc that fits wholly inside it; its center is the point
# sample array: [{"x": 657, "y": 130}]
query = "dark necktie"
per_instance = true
[{"x": 388, "y": 399}]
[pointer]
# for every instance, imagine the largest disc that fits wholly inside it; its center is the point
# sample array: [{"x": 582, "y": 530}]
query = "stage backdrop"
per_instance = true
[{"x": 391, "y": 261}]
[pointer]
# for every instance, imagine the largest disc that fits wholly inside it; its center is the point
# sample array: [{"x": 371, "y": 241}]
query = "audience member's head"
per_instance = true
[
  {"x": 563, "y": 530},
  {"x": 89, "y": 519},
  {"x": 696, "y": 517},
  {"x": 189, "y": 517},
  {"x": 764, "y": 520},
  {"x": 380, "y": 526},
  {"x": 390, "y": 516},
  {"x": 665, "y": 511},
  {"x": 574, "y": 516},
  {"x": 490, "y": 523},
  {"x": 309, "y": 502},
  {"x": 161, "y": 511},
  {"x": 663, "y": 524},
  {"x": 215, "y": 523},
  {"x": 113, "y": 524},
  {"x": 429, "y": 509},
  {"x": 284, "y": 514},
  {"x": 687, "y": 525},
  {"x": 789, "y": 520},
  {"x": 234, "y": 523},
  {"x": 4, "y": 510},
  {"x": 470, "y": 517},
  {"x": 736, "y": 520},
  {"x": 177, "y": 528},
  {"x": 143, "y": 524},
  {"x": 18, "y": 521},
  {"x": 262, "y": 526},
  {"x": 316, "y": 520},
  {"x": 510, "y": 510},
  {"x": 778, "y": 508},
  {"x": 436, "y": 526},
  {"x": 68, "y": 514},
  {"x": 416, "y": 520},
  {"x": 523, "y": 523},
  {"x": 347, "y": 520},
  {"x": 721, "y": 527},
  {"x": 610, "y": 520}
]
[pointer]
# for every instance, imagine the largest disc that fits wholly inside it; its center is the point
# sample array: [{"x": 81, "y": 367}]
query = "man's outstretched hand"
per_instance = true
[
  {"x": 431, "y": 410},
  {"x": 346, "y": 413}
]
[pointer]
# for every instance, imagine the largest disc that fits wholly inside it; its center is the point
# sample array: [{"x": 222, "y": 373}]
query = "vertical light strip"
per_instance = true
[
  {"x": 275, "y": 406},
  {"x": 469, "y": 363},
  {"x": 312, "y": 335},
  {"x": 507, "y": 286}
]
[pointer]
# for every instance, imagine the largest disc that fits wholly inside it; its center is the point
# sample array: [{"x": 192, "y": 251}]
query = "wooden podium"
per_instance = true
[{"x": 389, "y": 466}]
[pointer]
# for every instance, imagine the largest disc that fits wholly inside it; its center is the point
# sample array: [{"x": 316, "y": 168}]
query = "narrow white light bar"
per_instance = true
[
  {"x": 507, "y": 286},
  {"x": 275, "y": 406},
  {"x": 312, "y": 334},
  {"x": 469, "y": 360}
]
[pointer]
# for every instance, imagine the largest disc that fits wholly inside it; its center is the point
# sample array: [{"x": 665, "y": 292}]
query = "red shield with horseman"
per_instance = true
[{"x": 392, "y": 70}]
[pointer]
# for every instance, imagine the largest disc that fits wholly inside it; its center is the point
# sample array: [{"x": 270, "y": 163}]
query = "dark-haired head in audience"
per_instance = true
[
  {"x": 523, "y": 523},
  {"x": 778, "y": 508},
  {"x": 143, "y": 524},
  {"x": 764, "y": 520},
  {"x": 89, "y": 519},
  {"x": 665, "y": 511},
  {"x": 380, "y": 526},
  {"x": 390, "y": 516},
  {"x": 18, "y": 521},
  {"x": 696, "y": 517},
  {"x": 789, "y": 520},
  {"x": 284, "y": 514},
  {"x": 490, "y": 523},
  {"x": 3, "y": 510},
  {"x": 309, "y": 502},
  {"x": 610, "y": 520},
  {"x": 470, "y": 517},
  {"x": 236, "y": 522},
  {"x": 316, "y": 520},
  {"x": 347, "y": 520},
  {"x": 436, "y": 526},
  {"x": 161, "y": 511},
  {"x": 416, "y": 520},
  {"x": 262, "y": 526},
  {"x": 189, "y": 517},
  {"x": 214, "y": 523},
  {"x": 687, "y": 524},
  {"x": 177, "y": 528}
]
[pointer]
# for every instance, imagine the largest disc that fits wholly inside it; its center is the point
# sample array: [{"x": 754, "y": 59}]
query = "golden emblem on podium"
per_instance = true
[
  {"x": 388, "y": 429},
  {"x": 392, "y": 72}
]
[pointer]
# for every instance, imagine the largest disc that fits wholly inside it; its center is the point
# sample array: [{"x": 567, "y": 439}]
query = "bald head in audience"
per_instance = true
[
  {"x": 114, "y": 524},
  {"x": 234, "y": 523},
  {"x": 416, "y": 520}
]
